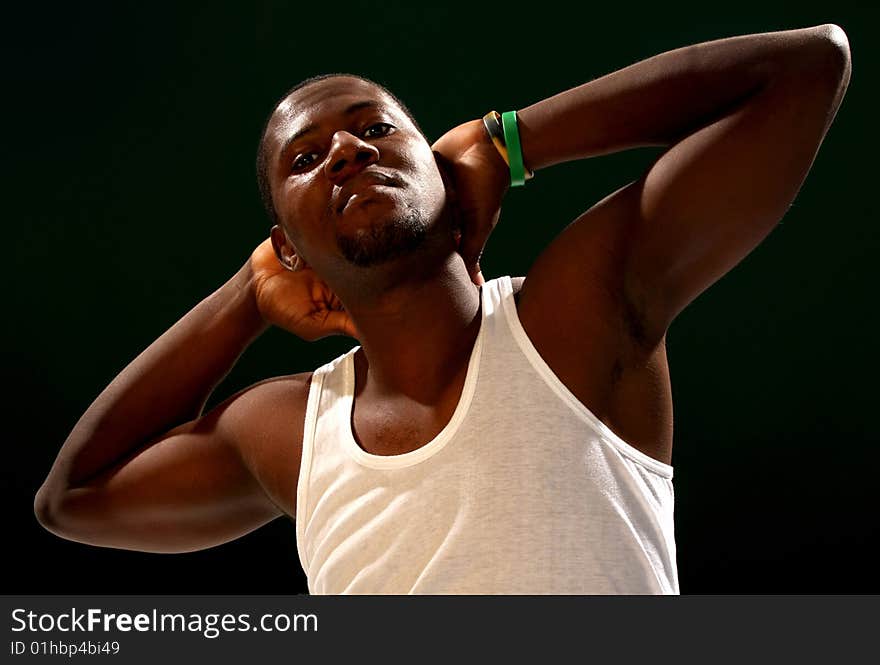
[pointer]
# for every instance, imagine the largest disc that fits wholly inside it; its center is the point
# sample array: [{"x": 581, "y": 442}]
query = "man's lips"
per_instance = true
[{"x": 359, "y": 182}]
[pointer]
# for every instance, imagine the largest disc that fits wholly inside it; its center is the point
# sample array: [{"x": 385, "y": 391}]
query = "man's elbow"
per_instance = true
[
  {"x": 42, "y": 506},
  {"x": 45, "y": 510},
  {"x": 838, "y": 38},
  {"x": 834, "y": 46}
]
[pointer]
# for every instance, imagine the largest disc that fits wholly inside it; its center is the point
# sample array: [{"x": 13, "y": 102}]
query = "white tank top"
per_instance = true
[{"x": 524, "y": 491}]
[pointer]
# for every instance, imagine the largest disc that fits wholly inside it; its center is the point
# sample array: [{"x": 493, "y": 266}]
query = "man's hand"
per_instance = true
[
  {"x": 298, "y": 301},
  {"x": 480, "y": 178}
]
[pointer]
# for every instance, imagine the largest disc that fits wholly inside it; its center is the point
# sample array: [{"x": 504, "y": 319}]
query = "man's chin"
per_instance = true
[{"x": 376, "y": 241}]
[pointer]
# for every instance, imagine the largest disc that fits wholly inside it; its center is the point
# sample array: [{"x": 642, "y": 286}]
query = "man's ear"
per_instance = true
[
  {"x": 285, "y": 250},
  {"x": 451, "y": 194},
  {"x": 445, "y": 174}
]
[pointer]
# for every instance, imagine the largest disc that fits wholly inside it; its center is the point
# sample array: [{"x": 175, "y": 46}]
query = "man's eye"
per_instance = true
[
  {"x": 299, "y": 162},
  {"x": 384, "y": 128}
]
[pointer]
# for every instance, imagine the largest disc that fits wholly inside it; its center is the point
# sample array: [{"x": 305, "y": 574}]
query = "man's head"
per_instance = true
[{"x": 348, "y": 177}]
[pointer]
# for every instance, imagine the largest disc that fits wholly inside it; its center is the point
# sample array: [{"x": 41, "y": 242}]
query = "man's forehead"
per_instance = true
[{"x": 310, "y": 104}]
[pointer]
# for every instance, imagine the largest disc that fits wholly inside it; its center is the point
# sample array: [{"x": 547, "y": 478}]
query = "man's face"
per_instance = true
[{"x": 352, "y": 179}]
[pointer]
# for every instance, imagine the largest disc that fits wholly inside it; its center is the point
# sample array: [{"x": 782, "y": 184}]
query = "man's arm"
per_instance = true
[
  {"x": 743, "y": 118},
  {"x": 203, "y": 483},
  {"x": 144, "y": 470}
]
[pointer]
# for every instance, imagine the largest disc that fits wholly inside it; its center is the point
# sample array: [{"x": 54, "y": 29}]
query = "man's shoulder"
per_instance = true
[
  {"x": 288, "y": 387},
  {"x": 268, "y": 428},
  {"x": 267, "y": 410}
]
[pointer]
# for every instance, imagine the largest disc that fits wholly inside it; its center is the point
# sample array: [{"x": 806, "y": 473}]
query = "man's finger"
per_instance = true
[
  {"x": 477, "y": 275},
  {"x": 341, "y": 323}
]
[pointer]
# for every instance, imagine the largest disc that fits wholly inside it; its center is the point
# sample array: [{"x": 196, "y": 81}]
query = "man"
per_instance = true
[{"x": 509, "y": 436}]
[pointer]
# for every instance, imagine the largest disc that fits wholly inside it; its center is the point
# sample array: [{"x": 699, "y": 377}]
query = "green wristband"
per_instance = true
[{"x": 514, "y": 151}]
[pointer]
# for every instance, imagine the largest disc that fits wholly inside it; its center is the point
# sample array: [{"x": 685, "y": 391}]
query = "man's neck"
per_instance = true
[{"x": 417, "y": 336}]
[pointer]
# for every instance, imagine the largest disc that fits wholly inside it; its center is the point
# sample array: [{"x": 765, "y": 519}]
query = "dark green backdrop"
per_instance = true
[{"x": 130, "y": 196}]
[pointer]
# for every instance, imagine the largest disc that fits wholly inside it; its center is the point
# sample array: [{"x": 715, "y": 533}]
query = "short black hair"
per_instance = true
[{"x": 263, "y": 153}]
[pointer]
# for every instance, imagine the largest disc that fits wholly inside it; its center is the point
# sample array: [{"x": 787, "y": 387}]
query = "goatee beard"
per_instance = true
[{"x": 383, "y": 241}]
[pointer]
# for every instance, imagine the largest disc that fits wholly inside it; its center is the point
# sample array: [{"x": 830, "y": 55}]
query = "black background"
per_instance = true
[{"x": 130, "y": 135}]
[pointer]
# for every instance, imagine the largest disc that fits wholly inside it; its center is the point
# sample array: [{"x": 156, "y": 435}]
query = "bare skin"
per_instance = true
[{"x": 742, "y": 118}]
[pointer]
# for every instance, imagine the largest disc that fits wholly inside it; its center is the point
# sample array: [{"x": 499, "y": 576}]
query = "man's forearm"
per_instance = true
[
  {"x": 657, "y": 101},
  {"x": 166, "y": 385}
]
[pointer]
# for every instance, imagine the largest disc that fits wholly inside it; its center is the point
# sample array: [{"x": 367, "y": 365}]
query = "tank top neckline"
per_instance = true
[{"x": 443, "y": 437}]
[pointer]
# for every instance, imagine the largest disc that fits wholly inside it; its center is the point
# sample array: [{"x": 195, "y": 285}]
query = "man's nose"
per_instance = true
[{"x": 348, "y": 156}]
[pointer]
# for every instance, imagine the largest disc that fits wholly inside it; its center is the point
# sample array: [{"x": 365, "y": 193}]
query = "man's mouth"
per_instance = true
[
  {"x": 359, "y": 194},
  {"x": 361, "y": 182}
]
